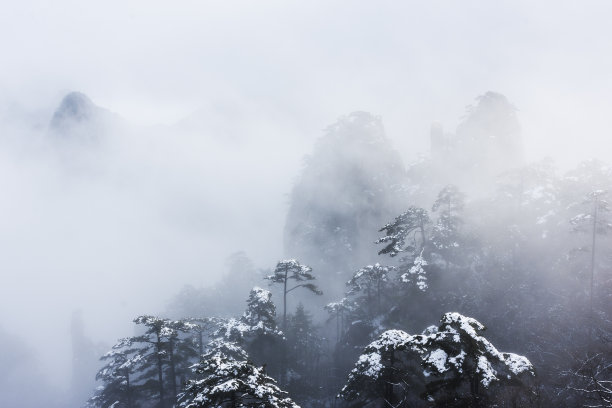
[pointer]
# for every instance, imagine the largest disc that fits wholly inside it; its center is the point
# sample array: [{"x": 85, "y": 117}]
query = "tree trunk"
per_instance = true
[
  {"x": 172, "y": 372},
  {"x": 378, "y": 296},
  {"x": 422, "y": 228},
  {"x": 593, "y": 243},
  {"x": 160, "y": 377},
  {"x": 285, "y": 302},
  {"x": 368, "y": 291},
  {"x": 284, "y": 349},
  {"x": 474, "y": 391},
  {"x": 595, "y": 205},
  {"x": 128, "y": 390},
  {"x": 337, "y": 326},
  {"x": 389, "y": 397}
]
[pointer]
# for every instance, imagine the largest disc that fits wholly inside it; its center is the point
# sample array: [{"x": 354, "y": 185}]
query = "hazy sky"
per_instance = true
[
  {"x": 265, "y": 77},
  {"x": 308, "y": 62}
]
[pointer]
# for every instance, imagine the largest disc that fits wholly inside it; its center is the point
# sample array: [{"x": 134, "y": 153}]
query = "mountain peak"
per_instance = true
[
  {"x": 78, "y": 119},
  {"x": 75, "y": 107}
]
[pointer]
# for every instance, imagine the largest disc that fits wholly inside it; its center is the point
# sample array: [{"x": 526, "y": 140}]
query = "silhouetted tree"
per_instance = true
[
  {"x": 595, "y": 222},
  {"x": 368, "y": 285},
  {"x": 291, "y": 269},
  {"x": 118, "y": 388},
  {"x": 445, "y": 236}
]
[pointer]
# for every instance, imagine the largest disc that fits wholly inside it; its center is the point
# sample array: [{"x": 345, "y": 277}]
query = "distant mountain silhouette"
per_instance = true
[
  {"x": 75, "y": 107},
  {"x": 349, "y": 188},
  {"x": 78, "y": 120},
  {"x": 485, "y": 144}
]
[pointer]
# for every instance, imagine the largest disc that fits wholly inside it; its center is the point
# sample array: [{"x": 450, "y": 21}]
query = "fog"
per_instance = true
[{"x": 198, "y": 116}]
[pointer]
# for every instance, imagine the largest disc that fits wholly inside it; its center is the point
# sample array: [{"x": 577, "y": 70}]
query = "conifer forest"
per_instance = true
[{"x": 324, "y": 205}]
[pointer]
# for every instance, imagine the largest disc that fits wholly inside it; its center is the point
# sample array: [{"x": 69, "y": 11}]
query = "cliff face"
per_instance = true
[
  {"x": 349, "y": 188},
  {"x": 486, "y": 143}
]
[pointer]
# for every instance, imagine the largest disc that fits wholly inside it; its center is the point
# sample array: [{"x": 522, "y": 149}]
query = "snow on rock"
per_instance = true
[
  {"x": 460, "y": 329},
  {"x": 370, "y": 363},
  {"x": 486, "y": 371},
  {"x": 454, "y": 350},
  {"x": 437, "y": 358},
  {"x": 516, "y": 363}
]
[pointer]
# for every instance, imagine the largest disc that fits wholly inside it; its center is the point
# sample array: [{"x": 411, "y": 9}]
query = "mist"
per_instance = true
[{"x": 148, "y": 150}]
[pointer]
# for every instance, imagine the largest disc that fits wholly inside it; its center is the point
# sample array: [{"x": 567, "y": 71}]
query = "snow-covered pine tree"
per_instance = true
[
  {"x": 181, "y": 352},
  {"x": 199, "y": 329},
  {"x": 407, "y": 235},
  {"x": 368, "y": 286},
  {"x": 339, "y": 310},
  {"x": 260, "y": 314},
  {"x": 229, "y": 349},
  {"x": 445, "y": 234},
  {"x": 226, "y": 379},
  {"x": 290, "y": 269},
  {"x": 118, "y": 389},
  {"x": 256, "y": 330},
  {"x": 258, "y": 319},
  {"x": 159, "y": 368}
]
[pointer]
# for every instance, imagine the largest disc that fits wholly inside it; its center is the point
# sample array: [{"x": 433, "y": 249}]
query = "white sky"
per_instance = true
[{"x": 308, "y": 62}]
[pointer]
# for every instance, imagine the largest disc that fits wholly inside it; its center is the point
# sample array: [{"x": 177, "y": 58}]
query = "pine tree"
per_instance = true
[
  {"x": 225, "y": 378},
  {"x": 368, "y": 284},
  {"x": 257, "y": 332},
  {"x": 159, "y": 361},
  {"x": 303, "y": 344},
  {"x": 199, "y": 328},
  {"x": 596, "y": 222},
  {"x": 291, "y": 269},
  {"x": 261, "y": 311},
  {"x": 118, "y": 389},
  {"x": 445, "y": 235},
  {"x": 339, "y": 310},
  {"x": 259, "y": 319},
  {"x": 407, "y": 235}
]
